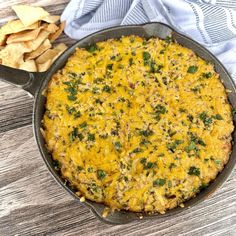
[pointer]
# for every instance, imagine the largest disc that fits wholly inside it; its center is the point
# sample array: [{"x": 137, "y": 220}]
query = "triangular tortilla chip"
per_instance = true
[
  {"x": 28, "y": 66},
  {"x": 61, "y": 47},
  {"x": 51, "y": 19},
  {"x": 40, "y": 50},
  {"x": 23, "y": 36},
  {"x": 51, "y": 54},
  {"x": 3, "y": 39},
  {"x": 52, "y": 28},
  {"x": 38, "y": 41},
  {"x": 28, "y": 14},
  {"x": 43, "y": 67},
  {"x": 48, "y": 55},
  {"x": 47, "y": 58},
  {"x": 16, "y": 26},
  {"x": 53, "y": 37},
  {"x": 12, "y": 54}
]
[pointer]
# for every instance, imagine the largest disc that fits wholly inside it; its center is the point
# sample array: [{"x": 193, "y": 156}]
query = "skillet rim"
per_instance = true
[{"x": 96, "y": 208}]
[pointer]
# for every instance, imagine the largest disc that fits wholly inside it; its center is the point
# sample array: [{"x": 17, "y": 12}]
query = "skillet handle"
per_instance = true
[{"x": 29, "y": 81}]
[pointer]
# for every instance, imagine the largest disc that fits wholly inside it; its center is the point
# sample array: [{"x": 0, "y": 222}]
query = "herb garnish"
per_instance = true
[
  {"x": 101, "y": 174},
  {"x": 218, "y": 162},
  {"x": 71, "y": 97},
  {"x": 137, "y": 150},
  {"x": 234, "y": 111},
  {"x": 144, "y": 142},
  {"x": 162, "y": 51},
  {"x": 172, "y": 165},
  {"x": 131, "y": 61},
  {"x": 143, "y": 160},
  {"x": 73, "y": 134},
  {"x": 208, "y": 120},
  {"x": 83, "y": 125},
  {"x": 72, "y": 89},
  {"x": 92, "y": 48},
  {"x": 106, "y": 88},
  {"x": 172, "y": 146},
  {"x": 90, "y": 169},
  {"x": 168, "y": 39},
  {"x": 197, "y": 140},
  {"x": 159, "y": 182},
  {"x": 98, "y": 101},
  {"x": 217, "y": 117},
  {"x": 77, "y": 114},
  {"x": 194, "y": 171},
  {"x": 182, "y": 110},
  {"x": 91, "y": 137},
  {"x": 109, "y": 67},
  {"x": 154, "y": 68},
  {"x": 192, "y": 69},
  {"x": 205, "y": 118},
  {"x": 118, "y": 146},
  {"x": 192, "y": 147},
  {"x": 146, "y": 133},
  {"x": 207, "y": 75},
  {"x": 149, "y": 165},
  {"x": 79, "y": 168},
  {"x": 146, "y": 57},
  {"x": 70, "y": 110},
  {"x": 57, "y": 165},
  {"x": 158, "y": 110}
]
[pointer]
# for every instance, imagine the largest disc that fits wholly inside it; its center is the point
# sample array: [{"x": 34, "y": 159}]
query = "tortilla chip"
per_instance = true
[
  {"x": 61, "y": 47},
  {"x": 3, "y": 39},
  {"x": 53, "y": 37},
  {"x": 48, "y": 57},
  {"x": 38, "y": 41},
  {"x": 28, "y": 14},
  {"x": 12, "y": 54},
  {"x": 45, "y": 66},
  {"x": 40, "y": 50},
  {"x": 51, "y": 19},
  {"x": 28, "y": 66},
  {"x": 23, "y": 36},
  {"x": 16, "y": 26},
  {"x": 52, "y": 28},
  {"x": 51, "y": 54}
]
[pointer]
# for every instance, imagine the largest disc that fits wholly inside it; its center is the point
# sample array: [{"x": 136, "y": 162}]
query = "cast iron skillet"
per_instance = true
[{"x": 36, "y": 83}]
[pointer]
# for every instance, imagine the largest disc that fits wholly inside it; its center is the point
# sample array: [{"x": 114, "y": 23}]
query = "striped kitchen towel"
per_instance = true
[{"x": 210, "y": 22}]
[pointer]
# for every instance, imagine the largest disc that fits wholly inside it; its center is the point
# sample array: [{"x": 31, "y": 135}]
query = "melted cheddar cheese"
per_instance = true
[{"x": 140, "y": 125}]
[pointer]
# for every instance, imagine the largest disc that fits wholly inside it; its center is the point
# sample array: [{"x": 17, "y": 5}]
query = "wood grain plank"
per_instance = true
[
  {"x": 32, "y": 203},
  {"x": 15, "y": 107}
]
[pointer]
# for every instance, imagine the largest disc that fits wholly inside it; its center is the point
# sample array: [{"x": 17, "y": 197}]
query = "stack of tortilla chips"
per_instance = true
[{"x": 27, "y": 43}]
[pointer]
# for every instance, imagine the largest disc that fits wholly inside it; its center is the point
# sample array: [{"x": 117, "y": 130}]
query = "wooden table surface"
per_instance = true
[{"x": 32, "y": 203}]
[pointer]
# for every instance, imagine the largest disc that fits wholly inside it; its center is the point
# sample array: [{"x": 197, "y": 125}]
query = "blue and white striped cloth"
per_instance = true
[{"x": 210, "y": 22}]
